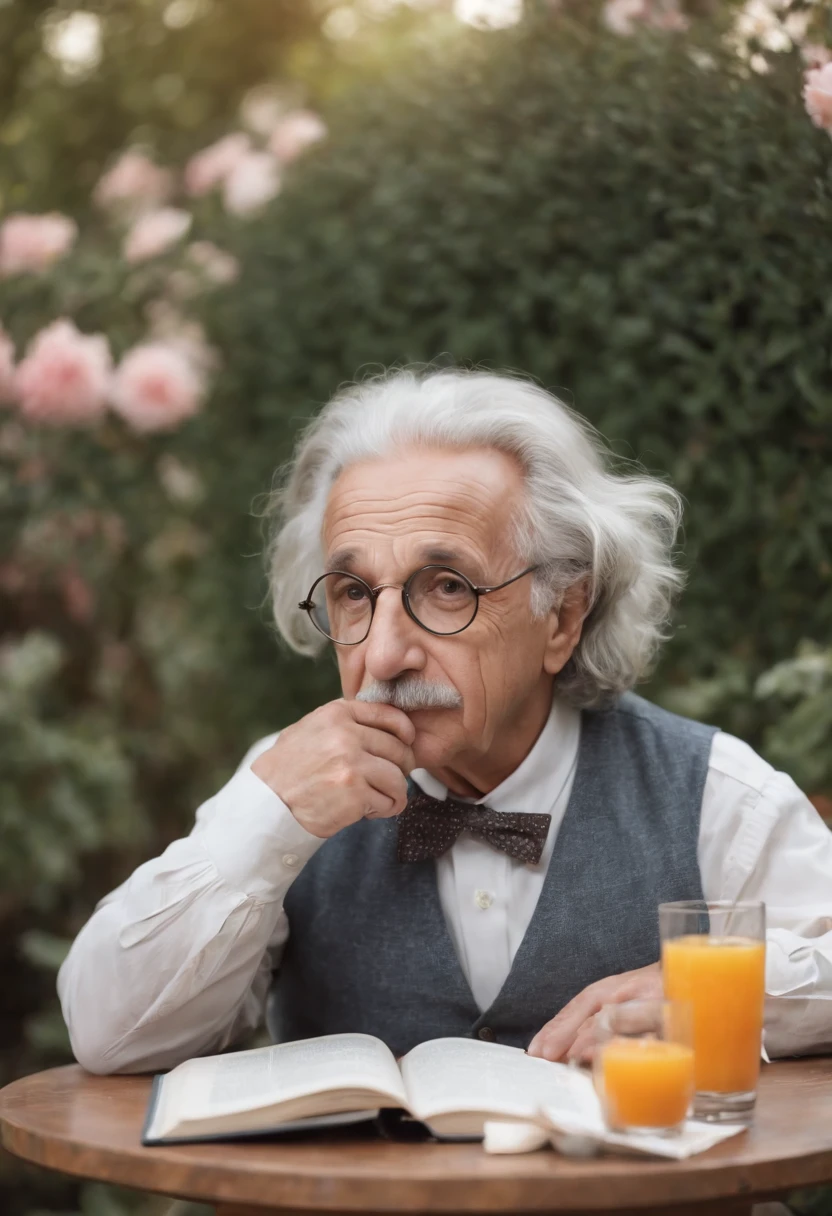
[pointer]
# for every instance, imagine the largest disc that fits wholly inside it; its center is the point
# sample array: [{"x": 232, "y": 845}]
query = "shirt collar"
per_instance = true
[{"x": 536, "y": 783}]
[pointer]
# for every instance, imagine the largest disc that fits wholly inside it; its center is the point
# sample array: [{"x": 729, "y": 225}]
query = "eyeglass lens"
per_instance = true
[{"x": 440, "y": 600}]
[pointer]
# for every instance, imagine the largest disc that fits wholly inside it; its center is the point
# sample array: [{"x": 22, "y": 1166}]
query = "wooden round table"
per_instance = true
[{"x": 90, "y": 1126}]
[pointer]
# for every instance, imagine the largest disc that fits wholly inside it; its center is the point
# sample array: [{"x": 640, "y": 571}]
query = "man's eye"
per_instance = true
[{"x": 348, "y": 593}]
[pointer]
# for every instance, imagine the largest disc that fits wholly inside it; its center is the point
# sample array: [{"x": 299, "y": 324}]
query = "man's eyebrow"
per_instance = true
[
  {"x": 443, "y": 556},
  {"x": 436, "y": 553},
  {"x": 341, "y": 559},
  {"x": 347, "y": 559}
]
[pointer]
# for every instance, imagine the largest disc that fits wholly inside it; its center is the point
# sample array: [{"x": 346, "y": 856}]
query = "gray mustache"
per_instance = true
[{"x": 411, "y": 693}]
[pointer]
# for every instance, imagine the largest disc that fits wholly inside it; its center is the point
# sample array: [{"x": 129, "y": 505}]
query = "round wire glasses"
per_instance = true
[{"x": 438, "y": 598}]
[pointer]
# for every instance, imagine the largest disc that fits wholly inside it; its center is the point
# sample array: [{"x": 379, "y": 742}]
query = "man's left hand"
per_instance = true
[{"x": 570, "y": 1033}]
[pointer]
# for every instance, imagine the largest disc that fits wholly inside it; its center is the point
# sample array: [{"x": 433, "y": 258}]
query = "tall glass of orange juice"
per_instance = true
[{"x": 714, "y": 956}]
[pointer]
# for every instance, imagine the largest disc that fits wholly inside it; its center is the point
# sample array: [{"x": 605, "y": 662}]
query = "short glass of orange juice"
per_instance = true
[
  {"x": 714, "y": 956},
  {"x": 643, "y": 1065}
]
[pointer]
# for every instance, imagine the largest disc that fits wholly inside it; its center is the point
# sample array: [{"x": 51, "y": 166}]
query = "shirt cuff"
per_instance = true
[
  {"x": 254, "y": 840},
  {"x": 793, "y": 966}
]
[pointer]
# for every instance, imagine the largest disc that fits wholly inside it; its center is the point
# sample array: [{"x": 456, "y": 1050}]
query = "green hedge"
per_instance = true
[{"x": 648, "y": 237}]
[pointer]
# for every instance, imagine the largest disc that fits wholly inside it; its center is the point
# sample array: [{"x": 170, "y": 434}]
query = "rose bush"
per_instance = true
[{"x": 111, "y": 573}]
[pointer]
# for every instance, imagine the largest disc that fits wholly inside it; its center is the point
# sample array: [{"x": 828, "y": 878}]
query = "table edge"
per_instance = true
[{"x": 214, "y": 1183}]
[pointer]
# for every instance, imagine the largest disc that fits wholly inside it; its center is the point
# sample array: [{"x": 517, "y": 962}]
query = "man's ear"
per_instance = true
[{"x": 566, "y": 624}]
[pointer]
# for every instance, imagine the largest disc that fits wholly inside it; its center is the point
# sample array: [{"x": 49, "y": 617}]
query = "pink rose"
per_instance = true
[
  {"x": 251, "y": 184},
  {"x": 154, "y": 232},
  {"x": 295, "y": 133},
  {"x": 213, "y": 263},
  {"x": 666, "y": 15},
  {"x": 34, "y": 242},
  {"x": 210, "y": 167},
  {"x": 133, "y": 184},
  {"x": 65, "y": 377},
  {"x": 156, "y": 388},
  {"x": 262, "y": 108},
  {"x": 6, "y": 368},
  {"x": 817, "y": 94},
  {"x": 206, "y": 266},
  {"x": 622, "y": 16},
  {"x": 181, "y": 484},
  {"x": 815, "y": 54},
  {"x": 170, "y": 328}
]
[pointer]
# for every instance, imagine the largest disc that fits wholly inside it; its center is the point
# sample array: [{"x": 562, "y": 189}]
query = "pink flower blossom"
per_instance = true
[
  {"x": 64, "y": 379},
  {"x": 262, "y": 108},
  {"x": 251, "y": 184},
  {"x": 154, "y": 232},
  {"x": 170, "y": 328},
  {"x": 34, "y": 242},
  {"x": 815, "y": 54},
  {"x": 668, "y": 17},
  {"x": 133, "y": 184},
  {"x": 817, "y": 94},
  {"x": 180, "y": 483},
  {"x": 622, "y": 16},
  {"x": 211, "y": 167},
  {"x": 206, "y": 266},
  {"x": 156, "y": 388},
  {"x": 213, "y": 263},
  {"x": 189, "y": 340},
  {"x": 295, "y": 133},
  {"x": 6, "y": 367}
]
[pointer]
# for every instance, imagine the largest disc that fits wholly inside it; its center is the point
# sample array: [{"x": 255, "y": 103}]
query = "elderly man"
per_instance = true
[{"x": 475, "y": 839}]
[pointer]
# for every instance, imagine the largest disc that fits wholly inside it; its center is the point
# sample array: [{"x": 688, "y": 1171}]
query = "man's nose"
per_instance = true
[{"x": 394, "y": 645}]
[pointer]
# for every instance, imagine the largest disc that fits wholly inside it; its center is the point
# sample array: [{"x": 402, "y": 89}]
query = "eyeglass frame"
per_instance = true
[{"x": 307, "y": 604}]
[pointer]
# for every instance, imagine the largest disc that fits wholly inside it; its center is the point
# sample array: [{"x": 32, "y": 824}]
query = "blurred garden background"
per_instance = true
[{"x": 214, "y": 212}]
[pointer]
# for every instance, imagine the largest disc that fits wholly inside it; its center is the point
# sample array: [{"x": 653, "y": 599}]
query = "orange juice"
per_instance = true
[
  {"x": 646, "y": 1082},
  {"x": 724, "y": 979}
]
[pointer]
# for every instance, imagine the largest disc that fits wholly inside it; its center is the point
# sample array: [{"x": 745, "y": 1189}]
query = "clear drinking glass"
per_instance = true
[
  {"x": 714, "y": 955},
  {"x": 643, "y": 1065}
]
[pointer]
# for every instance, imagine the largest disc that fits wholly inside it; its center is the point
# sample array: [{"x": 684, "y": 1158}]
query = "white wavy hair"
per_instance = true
[{"x": 586, "y": 516}]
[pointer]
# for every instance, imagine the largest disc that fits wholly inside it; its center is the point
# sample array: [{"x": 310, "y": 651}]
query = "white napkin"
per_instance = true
[
  {"x": 576, "y": 1128},
  {"x": 694, "y": 1137},
  {"x": 581, "y": 1141},
  {"x": 503, "y": 1137}
]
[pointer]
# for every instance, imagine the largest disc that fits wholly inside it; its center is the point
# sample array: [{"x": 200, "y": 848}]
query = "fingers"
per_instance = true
[
  {"x": 556, "y": 1037},
  {"x": 377, "y": 805},
  {"x": 568, "y": 1031},
  {"x": 583, "y": 1048},
  {"x": 386, "y": 787},
  {"x": 388, "y": 747},
  {"x": 383, "y": 717}
]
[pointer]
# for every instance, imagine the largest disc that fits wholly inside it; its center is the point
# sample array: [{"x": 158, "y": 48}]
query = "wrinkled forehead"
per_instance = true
[{"x": 456, "y": 508}]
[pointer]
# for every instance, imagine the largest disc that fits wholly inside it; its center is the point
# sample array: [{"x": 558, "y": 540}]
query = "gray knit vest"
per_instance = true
[{"x": 369, "y": 948}]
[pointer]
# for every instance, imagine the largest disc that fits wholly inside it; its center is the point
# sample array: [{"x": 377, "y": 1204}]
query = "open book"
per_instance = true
[{"x": 453, "y": 1085}]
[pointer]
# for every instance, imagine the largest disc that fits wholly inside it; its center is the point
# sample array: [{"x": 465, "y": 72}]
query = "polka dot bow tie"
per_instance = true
[{"x": 428, "y": 827}]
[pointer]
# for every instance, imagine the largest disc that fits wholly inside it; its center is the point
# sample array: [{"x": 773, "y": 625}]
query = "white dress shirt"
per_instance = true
[{"x": 178, "y": 960}]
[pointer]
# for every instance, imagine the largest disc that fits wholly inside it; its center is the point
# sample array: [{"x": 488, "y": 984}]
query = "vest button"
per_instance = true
[{"x": 486, "y": 1034}]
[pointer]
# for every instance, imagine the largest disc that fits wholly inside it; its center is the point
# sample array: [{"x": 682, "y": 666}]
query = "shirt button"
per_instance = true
[
  {"x": 483, "y": 899},
  {"x": 486, "y": 1034},
  {"x": 290, "y": 860}
]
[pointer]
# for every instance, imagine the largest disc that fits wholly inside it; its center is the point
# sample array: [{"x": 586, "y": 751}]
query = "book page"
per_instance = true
[
  {"x": 449, "y": 1075},
  {"x": 267, "y": 1076}
]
